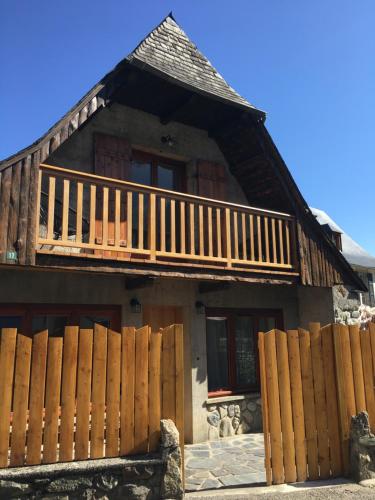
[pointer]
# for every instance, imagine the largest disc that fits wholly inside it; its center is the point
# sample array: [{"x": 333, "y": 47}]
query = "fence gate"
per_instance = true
[
  {"x": 312, "y": 382},
  {"x": 90, "y": 394}
]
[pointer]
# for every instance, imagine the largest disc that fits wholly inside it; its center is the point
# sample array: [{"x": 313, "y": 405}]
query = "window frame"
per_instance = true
[
  {"x": 72, "y": 311},
  {"x": 178, "y": 167},
  {"x": 230, "y": 314}
]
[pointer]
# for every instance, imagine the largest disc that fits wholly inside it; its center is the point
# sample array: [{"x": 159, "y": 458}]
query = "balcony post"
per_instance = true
[
  {"x": 152, "y": 226},
  {"x": 228, "y": 242}
]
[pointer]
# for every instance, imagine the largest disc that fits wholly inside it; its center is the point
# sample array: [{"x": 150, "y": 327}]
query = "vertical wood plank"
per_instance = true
[
  {"x": 51, "y": 207},
  {"x": 297, "y": 404},
  {"x": 265, "y": 416},
  {"x": 152, "y": 227},
  {"x": 98, "y": 391},
  {"x": 65, "y": 209},
  {"x": 331, "y": 399},
  {"x": 182, "y": 227},
  {"x": 235, "y": 232},
  {"x": 129, "y": 219},
  {"x": 7, "y": 358},
  {"x": 83, "y": 394},
  {"x": 162, "y": 224},
  {"x": 141, "y": 390},
  {"x": 308, "y": 403},
  {"x": 368, "y": 376},
  {"x": 79, "y": 211},
  {"x": 173, "y": 226},
  {"x": 320, "y": 400},
  {"x": 52, "y": 404},
  {"x": 266, "y": 239},
  {"x": 209, "y": 229},
  {"x": 192, "y": 229},
  {"x": 228, "y": 238},
  {"x": 113, "y": 394},
  {"x": 92, "y": 214},
  {"x": 243, "y": 226},
  {"x": 140, "y": 219},
  {"x": 117, "y": 217},
  {"x": 36, "y": 405},
  {"x": 201, "y": 229},
  {"x": 154, "y": 402},
  {"x": 127, "y": 390},
  {"x": 68, "y": 393},
  {"x": 289, "y": 455},
  {"x": 218, "y": 232},
  {"x": 359, "y": 387},
  {"x": 281, "y": 242},
  {"x": 168, "y": 374},
  {"x": 274, "y": 408},
  {"x": 348, "y": 372},
  {"x": 20, "y": 399},
  {"x": 259, "y": 237},
  {"x": 105, "y": 216},
  {"x": 372, "y": 339},
  {"x": 252, "y": 244},
  {"x": 179, "y": 376},
  {"x": 287, "y": 239},
  {"x": 273, "y": 231}
]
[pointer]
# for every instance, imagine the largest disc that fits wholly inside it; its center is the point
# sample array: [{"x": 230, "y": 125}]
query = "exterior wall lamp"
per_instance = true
[
  {"x": 169, "y": 140},
  {"x": 200, "y": 307},
  {"x": 135, "y": 305}
]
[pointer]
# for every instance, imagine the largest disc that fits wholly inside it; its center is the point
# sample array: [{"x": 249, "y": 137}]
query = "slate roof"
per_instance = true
[
  {"x": 354, "y": 253},
  {"x": 169, "y": 50}
]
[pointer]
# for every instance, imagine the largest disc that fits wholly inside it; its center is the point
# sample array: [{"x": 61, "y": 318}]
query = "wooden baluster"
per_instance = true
[
  {"x": 51, "y": 207},
  {"x": 105, "y": 216},
  {"x": 129, "y": 219},
  {"x": 162, "y": 224},
  {"x": 266, "y": 239},
  {"x": 79, "y": 212},
  {"x": 243, "y": 224},
  {"x": 281, "y": 241},
  {"x": 209, "y": 225},
  {"x": 192, "y": 229},
  {"x": 182, "y": 227},
  {"x": 38, "y": 204},
  {"x": 251, "y": 229},
  {"x": 228, "y": 242},
  {"x": 218, "y": 232},
  {"x": 152, "y": 226},
  {"x": 235, "y": 231},
  {"x": 92, "y": 214},
  {"x": 201, "y": 230},
  {"x": 259, "y": 234},
  {"x": 287, "y": 237},
  {"x": 274, "y": 253},
  {"x": 65, "y": 210},
  {"x": 140, "y": 220},
  {"x": 117, "y": 217},
  {"x": 173, "y": 226}
]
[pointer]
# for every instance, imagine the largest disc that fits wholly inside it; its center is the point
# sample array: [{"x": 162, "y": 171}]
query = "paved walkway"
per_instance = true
[{"x": 234, "y": 461}]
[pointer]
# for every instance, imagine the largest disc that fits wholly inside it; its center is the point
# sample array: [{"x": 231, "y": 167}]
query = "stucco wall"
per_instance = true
[
  {"x": 144, "y": 130},
  {"x": 315, "y": 304},
  {"x": 82, "y": 288}
]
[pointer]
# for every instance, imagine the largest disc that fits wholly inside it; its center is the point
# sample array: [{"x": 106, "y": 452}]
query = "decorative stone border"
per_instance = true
[{"x": 233, "y": 415}]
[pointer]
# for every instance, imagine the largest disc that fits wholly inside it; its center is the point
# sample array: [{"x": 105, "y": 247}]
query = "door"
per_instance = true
[{"x": 161, "y": 316}]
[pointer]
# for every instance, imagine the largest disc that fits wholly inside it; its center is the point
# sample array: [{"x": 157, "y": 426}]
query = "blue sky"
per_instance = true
[{"x": 309, "y": 65}]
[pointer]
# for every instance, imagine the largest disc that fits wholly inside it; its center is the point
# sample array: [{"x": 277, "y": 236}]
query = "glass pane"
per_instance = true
[
  {"x": 140, "y": 173},
  {"x": 10, "y": 322},
  {"x": 246, "y": 368},
  {"x": 266, "y": 324},
  {"x": 89, "y": 321},
  {"x": 217, "y": 353},
  {"x": 54, "y": 324},
  {"x": 165, "y": 177}
]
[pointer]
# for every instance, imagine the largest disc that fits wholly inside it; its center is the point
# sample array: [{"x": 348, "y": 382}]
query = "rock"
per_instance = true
[
  {"x": 169, "y": 434},
  {"x": 237, "y": 411},
  {"x": 213, "y": 418},
  {"x": 211, "y": 407},
  {"x": 106, "y": 481},
  {"x": 223, "y": 410},
  {"x": 213, "y": 433},
  {"x": 11, "y": 489},
  {"x": 65, "y": 485},
  {"x": 171, "y": 486},
  {"x": 355, "y": 314},
  {"x": 231, "y": 411},
  {"x": 362, "y": 448},
  {"x": 236, "y": 424},
  {"x": 226, "y": 428},
  {"x": 134, "y": 492},
  {"x": 252, "y": 406}
]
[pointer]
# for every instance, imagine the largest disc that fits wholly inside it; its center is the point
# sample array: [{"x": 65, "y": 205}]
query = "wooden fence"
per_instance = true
[
  {"x": 312, "y": 383},
  {"x": 92, "y": 394}
]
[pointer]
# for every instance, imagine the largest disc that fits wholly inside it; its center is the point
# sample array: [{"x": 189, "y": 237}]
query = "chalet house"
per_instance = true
[{"x": 161, "y": 198}]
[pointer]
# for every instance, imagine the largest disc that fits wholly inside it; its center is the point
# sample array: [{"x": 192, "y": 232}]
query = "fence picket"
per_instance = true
[
  {"x": 99, "y": 368},
  {"x": 348, "y": 371},
  {"x": 113, "y": 394},
  {"x": 355, "y": 344},
  {"x": 127, "y": 390},
  {"x": 154, "y": 389},
  {"x": 265, "y": 416},
  {"x": 368, "y": 375},
  {"x": 168, "y": 374},
  {"x": 141, "y": 390}
]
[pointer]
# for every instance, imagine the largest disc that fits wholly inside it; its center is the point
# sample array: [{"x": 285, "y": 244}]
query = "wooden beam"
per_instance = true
[
  {"x": 139, "y": 282},
  {"x": 208, "y": 287}
]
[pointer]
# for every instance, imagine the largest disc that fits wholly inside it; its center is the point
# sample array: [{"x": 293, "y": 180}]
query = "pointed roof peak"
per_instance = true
[{"x": 169, "y": 52}]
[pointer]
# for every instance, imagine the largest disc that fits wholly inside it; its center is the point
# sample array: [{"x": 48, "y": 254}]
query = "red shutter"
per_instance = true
[
  {"x": 212, "y": 180},
  {"x": 112, "y": 159}
]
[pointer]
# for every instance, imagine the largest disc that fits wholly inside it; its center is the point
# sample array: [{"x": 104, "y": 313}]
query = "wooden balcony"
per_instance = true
[{"x": 88, "y": 216}]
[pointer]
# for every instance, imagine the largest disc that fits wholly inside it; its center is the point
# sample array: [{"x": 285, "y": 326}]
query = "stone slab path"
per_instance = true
[{"x": 229, "y": 462}]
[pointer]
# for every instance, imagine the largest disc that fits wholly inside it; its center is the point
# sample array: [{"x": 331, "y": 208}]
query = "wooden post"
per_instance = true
[{"x": 152, "y": 227}]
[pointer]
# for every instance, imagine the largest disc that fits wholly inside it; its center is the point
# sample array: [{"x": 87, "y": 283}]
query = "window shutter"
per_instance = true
[
  {"x": 212, "y": 180},
  {"x": 112, "y": 156}
]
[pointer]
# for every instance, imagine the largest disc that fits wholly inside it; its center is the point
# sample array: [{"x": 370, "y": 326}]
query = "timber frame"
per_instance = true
[{"x": 237, "y": 127}]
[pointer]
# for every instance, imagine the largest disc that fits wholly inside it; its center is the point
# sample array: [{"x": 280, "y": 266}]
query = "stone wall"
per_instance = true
[
  {"x": 236, "y": 415},
  {"x": 346, "y": 304},
  {"x": 148, "y": 477}
]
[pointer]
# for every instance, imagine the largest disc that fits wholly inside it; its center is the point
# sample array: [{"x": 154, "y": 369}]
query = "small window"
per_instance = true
[
  {"x": 232, "y": 348},
  {"x": 152, "y": 170}
]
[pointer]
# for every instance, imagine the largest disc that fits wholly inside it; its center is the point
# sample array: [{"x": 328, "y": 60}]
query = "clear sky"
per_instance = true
[{"x": 309, "y": 64}]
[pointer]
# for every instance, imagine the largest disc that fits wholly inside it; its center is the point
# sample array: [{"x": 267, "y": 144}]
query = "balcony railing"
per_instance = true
[{"x": 86, "y": 215}]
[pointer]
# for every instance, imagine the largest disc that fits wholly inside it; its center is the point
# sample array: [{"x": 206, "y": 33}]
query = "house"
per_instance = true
[
  {"x": 347, "y": 300},
  {"x": 161, "y": 198}
]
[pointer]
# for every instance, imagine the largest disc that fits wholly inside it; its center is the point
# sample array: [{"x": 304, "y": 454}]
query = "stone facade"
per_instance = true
[
  {"x": 362, "y": 448},
  {"x": 239, "y": 415},
  {"x": 148, "y": 477},
  {"x": 346, "y": 304}
]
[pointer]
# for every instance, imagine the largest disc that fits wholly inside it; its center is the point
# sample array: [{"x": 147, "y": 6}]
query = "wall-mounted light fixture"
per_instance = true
[
  {"x": 168, "y": 140},
  {"x": 135, "y": 305},
  {"x": 200, "y": 307}
]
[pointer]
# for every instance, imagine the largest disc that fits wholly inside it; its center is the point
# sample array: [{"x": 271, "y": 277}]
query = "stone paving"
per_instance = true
[{"x": 233, "y": 461}]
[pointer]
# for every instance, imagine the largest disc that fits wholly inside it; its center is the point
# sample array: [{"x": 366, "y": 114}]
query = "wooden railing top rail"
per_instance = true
[{"x": 97, "y": 179}]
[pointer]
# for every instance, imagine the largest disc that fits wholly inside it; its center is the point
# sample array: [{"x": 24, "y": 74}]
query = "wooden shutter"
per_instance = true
[
  {"x": 112, "y": 159},
  {"x": 212, "y": 180}
]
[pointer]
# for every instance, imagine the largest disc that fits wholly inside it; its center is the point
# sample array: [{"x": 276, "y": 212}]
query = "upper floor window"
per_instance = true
[{"x": 152, "y": 170}]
